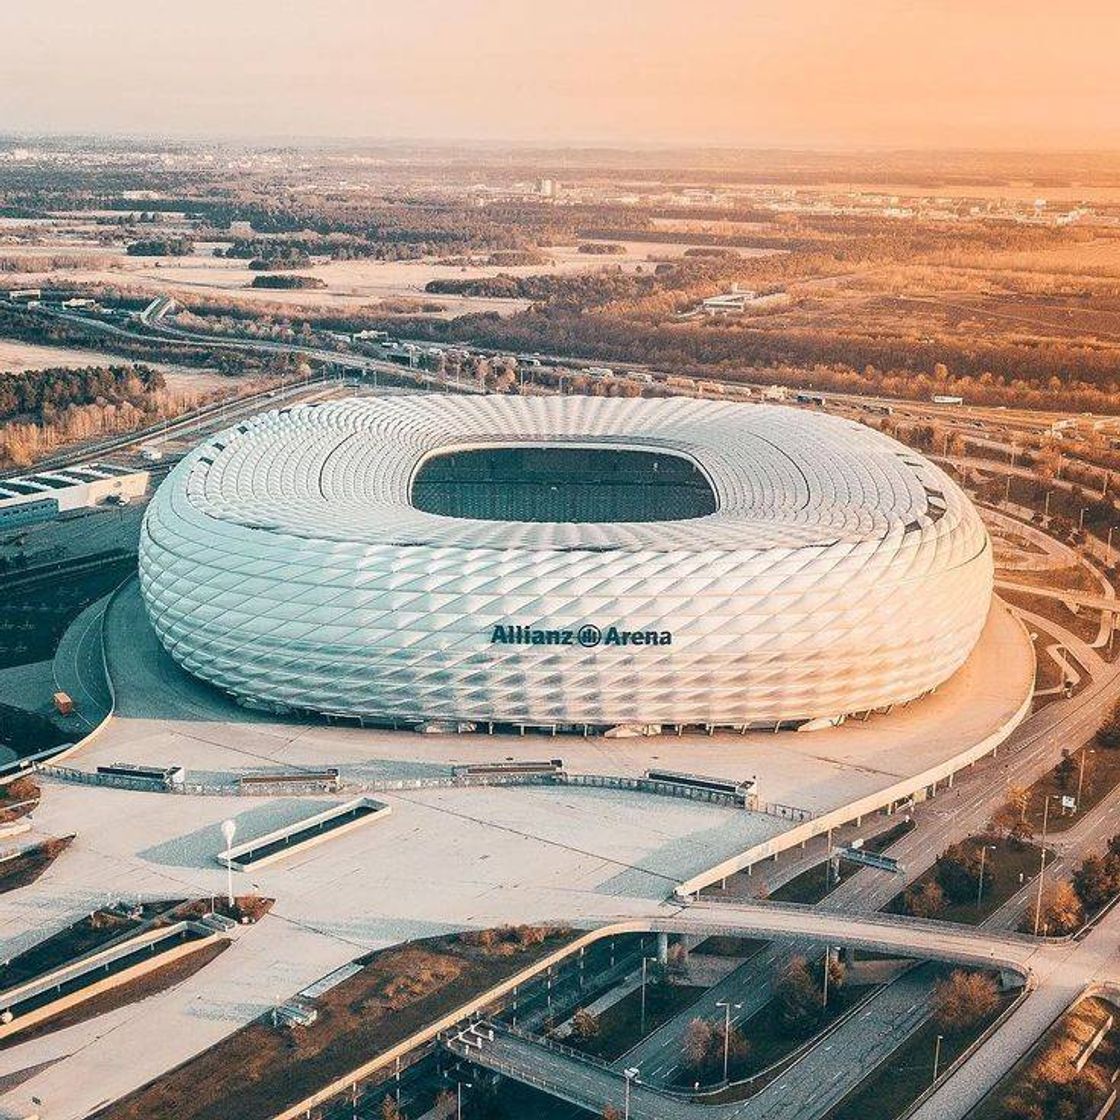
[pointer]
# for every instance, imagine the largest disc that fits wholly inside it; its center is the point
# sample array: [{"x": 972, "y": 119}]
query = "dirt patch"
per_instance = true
[
  {"x": 18, "y": 798},
  {"x": 23, "y": 869}
]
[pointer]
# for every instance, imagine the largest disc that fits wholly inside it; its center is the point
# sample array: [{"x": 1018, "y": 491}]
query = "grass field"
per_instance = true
[{"x": 1004, "y": 863}]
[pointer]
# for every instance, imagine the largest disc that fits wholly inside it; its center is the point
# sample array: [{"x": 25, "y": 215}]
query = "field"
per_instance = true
[
  {"x": 371, "y": 284},
  {"x": 15, "y": 357}
]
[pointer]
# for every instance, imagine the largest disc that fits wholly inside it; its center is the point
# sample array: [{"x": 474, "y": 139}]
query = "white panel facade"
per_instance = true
[{"x": 283, "y": 562}]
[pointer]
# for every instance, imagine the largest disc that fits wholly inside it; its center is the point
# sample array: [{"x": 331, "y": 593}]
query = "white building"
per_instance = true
[{"x": 564, "y": 561}]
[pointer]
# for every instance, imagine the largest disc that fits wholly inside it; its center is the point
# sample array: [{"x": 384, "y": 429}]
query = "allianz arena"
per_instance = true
[{"x": 566, "y": 562}]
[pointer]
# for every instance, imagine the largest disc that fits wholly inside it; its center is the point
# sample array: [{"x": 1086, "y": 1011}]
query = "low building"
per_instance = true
[
  {"x": 44, "y": 495},
  {"x": 737, "y": 301}
]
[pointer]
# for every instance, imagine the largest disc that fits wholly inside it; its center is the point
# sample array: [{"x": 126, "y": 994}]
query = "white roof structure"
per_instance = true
[{"x": 286, "y": 562}]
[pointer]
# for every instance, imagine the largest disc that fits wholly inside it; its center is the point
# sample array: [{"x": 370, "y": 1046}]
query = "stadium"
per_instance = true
[{"x": 576, "y": 563}]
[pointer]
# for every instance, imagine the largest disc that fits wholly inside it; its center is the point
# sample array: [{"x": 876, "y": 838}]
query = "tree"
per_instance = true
[
  {"x": 1108, "y": 734},
  {"x": 678, "y": 958},
  {"x": 924, "y": 900},
  {"x": 703, "y": 1047},
  {"x": 798, "y": 997},
  {"x": 696, "y": 1048},
  {"x": 958, "y": 871},
  {"x": 1009, "y": 822},
  {"x": 1064, "y": 771},
  {"x": 1062, "y": 911},
  {"x": 390, "y": 1110},
  {"x": 611, "y": 1113},
  {"x": 964, "y": 998},
  {"x": 1096, "y": 881},
  {"x": 737, "y": 1047},
  {"x": 585, "y": 1026}
]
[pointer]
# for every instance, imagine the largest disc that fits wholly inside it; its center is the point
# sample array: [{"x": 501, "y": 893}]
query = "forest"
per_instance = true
[{"x": 43, "y": 393}]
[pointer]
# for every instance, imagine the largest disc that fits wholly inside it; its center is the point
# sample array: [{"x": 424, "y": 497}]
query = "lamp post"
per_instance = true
[
  {"x": 937, "y": 1057},
  {"x": 229, "y": 830},
  {"x": 645, "y": 961},
  {"x": 1108, "y": 546},
  {"x": 630, "y": 1075},
  {"x": 1081, "y": 520},
  {"x": 727, "y": 1005},
  {"x": 980, "y": 886},
  {"x": 1042, "y": 865},
  {"x": 459, "y": 1097}
]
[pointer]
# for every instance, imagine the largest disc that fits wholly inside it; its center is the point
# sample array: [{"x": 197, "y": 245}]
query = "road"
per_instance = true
[{"x": 1058, "y": 972}]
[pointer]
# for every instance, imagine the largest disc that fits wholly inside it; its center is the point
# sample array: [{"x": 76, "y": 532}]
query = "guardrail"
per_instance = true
[
  {"x": 392, "y": 785},
  {"x": 53, "y": 992},
  {"x": 302, "y": 834}
]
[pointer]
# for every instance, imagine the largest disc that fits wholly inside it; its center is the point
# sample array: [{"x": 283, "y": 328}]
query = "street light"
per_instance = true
[
  {"x": 645, "y": 961},
  {"x": 229, "y": 830},
  {"x": 459, "y": 1097},
  {"x": 727, "y": 1005},
  {"x": 630, "y": 1075},
  {"x": 937, "y": 1057},
  {"x": 1042, "y": 857},
  {"x": 980, "y": 886}
]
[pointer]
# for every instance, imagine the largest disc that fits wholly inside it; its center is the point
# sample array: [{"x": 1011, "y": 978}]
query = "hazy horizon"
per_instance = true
[{"x": 880, "y": 74}]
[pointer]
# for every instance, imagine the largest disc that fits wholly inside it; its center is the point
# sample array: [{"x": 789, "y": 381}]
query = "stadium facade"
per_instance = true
[{"x": 564, "y": 562}]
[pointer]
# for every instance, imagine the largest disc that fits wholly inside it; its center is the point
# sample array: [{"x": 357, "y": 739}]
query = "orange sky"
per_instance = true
[{"x": 923, "y": 73}]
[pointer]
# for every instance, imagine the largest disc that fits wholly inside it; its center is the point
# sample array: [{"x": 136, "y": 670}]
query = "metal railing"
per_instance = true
[{"x": 232, "y": 788}]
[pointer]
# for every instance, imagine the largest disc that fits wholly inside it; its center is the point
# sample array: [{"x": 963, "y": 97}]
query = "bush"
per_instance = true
[
  {"x": 161, "y": 247},
  {"x": 287, "y": 282}
]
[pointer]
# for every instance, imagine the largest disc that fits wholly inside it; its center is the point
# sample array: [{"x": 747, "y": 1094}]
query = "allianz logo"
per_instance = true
[{"x": 588, "y": 636}]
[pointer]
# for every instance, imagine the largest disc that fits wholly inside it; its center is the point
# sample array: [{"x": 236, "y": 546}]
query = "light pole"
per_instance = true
[
  {"x": 1108, "y": 546},
  {"x": 229, "y": 830},
  {"x": 459, "y": 1097},
  {"x": 629, "y": 1075},
  {"x": 645, "y": 961},
  {"x": 727, "y": 1005},
  {"x": 937, "y": 1057},
  {"x": 980, "y": 886},
  {"x": 1081, "y": 520},
  {"x": 1081, "y": 774},
  {"x": 824, "y": 982},
  {"x": 1042, "y": 866}
]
